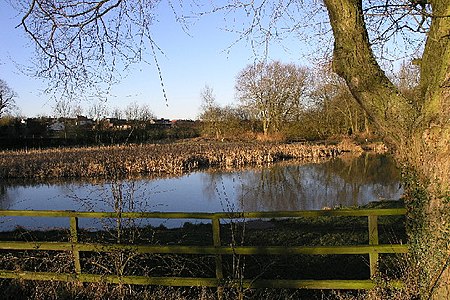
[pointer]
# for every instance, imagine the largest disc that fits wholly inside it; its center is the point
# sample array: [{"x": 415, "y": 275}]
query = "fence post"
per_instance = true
[
  {"x": 373, "y": 240},
  {"x": 217, "y": 243},
  {"x": 74, "y": 240}
]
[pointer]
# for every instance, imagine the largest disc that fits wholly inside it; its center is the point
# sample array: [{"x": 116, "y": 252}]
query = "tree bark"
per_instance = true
[
  {"x": 432, "y": 131},
  {"x": 430, "y": 152},
  {"x": 435, "y": 65},
  {"x": 354, "y": 61},
  {"x": 419, "y": 136}
]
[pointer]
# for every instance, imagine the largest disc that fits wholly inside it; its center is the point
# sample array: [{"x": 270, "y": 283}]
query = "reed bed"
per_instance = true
[{"x": 162, "y": 159}]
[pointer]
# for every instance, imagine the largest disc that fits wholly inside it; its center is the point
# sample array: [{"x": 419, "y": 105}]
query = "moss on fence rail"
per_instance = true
[{"x": 206, "y": 215}]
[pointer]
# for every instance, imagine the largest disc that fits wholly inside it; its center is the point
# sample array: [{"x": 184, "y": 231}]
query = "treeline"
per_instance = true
[
  {"x": 287, "y": 102},
  {"x": 275, "y": 101}
]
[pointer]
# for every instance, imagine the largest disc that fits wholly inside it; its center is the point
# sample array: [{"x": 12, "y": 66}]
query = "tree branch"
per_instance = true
[{"x": 354, "y": 61}]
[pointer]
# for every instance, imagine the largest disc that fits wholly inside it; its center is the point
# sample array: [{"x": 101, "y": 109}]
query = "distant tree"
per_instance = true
[
  {"x": 145, "y": 113},
  {"x": 132, "y": 111},
  {"x": 336, "y": 110},
  {"x": 77, "y": 110},
  {"x": 211, "y": 113},
  {"x": 62, "y": 109},
  {"x": 117, "y": 113},
  {"x": 273, "y": 92},
  {"x": 97, "y": 110},
  {"x": 222, "y": 121},
  {"x": 407, "y": 79},
  {"x": 7, "y": 97},
  {"x": 236, "y": 122},
  {"x": 136, "y": 112}
]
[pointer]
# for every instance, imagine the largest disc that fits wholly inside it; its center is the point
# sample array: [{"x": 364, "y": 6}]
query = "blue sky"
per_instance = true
[{"x": 190, "y": 61}]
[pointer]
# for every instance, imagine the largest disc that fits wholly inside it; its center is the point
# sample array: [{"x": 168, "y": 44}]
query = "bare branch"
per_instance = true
[
  {"x": 86, "y": 45},
  {"x": 7, "y": 97}
]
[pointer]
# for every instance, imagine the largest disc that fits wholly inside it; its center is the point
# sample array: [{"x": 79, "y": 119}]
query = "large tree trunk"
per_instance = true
[
  {"x": 354, "y": 61},
  {"x": 419, "y": 138}
]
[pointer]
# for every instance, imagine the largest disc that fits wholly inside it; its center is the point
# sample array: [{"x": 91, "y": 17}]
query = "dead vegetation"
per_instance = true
[{"x": 132, "y": 160}]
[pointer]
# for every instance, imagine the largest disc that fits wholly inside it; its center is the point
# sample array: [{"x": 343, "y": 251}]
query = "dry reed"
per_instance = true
[{"x": 132, "y": 160}]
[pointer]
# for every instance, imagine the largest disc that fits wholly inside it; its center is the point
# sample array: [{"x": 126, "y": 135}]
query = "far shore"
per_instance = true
[{"x": 158, "y": 159}]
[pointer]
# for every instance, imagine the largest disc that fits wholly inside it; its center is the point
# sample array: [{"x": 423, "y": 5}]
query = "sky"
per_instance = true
[{"x": 189, "y": 62}]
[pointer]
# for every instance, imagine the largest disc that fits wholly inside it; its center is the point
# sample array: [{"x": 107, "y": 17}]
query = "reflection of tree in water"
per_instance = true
[
  {"x": 3, "y": 196},
  {"x": 6, "y": 195},
  {"x": 338, "y": 182},
  {"x": 2, "y": 189},
  {"x": 10, "y": 190},
  {"x": 223, "y": 186},
  {"x": 264, "y": 190}
]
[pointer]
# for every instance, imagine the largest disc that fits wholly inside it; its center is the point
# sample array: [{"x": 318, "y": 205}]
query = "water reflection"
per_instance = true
[
  {"x": 344, "y": 181},
  {"x": 338, "y": 182}
]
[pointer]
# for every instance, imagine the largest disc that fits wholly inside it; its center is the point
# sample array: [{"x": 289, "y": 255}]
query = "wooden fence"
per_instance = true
[{"x": 373, "y": 249}]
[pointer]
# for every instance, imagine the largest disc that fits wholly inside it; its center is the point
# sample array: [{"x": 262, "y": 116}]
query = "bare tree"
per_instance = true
[
  {"x": 77, "y": 110},
  {"x": 7, "y": 97},
  {"x": 337, "y": 112},
  {"x": 211, "y": 114},
  {"x": 117, "y": 113},
  {"x": 85, "y": 45},
  {"x": 222, "y": 121},
  {"x": 136, "y": 112},
  {"x": 132, "y": 111},
  {"x": 273, "y": 91},
  {"x": 98, "y": 110},
  {"x": 145, "y": 113},
  {"x": 62, "y": 109}
]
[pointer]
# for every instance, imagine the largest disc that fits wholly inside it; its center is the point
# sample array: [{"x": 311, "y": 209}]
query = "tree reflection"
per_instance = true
[
  {"x": 224, "y": 187},
  {"x": 346, "y": 181},
  {"x": 6, "y": 197}
]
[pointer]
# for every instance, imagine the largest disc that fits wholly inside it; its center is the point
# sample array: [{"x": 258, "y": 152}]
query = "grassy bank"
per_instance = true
[{"x": 132, "y": 160}]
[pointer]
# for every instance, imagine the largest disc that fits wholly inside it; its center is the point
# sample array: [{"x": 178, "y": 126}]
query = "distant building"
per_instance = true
[
  {"x": 85, "y": 122},
  {"x": 161, "y": 122},
  {"x": 184, "y": 123},
  {"x": 56, "y": 125},
  {"x": 114, "y": 124},
  {"x": 119, "y": 124}
]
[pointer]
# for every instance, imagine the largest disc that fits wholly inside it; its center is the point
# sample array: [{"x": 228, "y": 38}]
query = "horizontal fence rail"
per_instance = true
[
  {"x": 373, "y": 249},
  {"x": 206, "y": 215}
]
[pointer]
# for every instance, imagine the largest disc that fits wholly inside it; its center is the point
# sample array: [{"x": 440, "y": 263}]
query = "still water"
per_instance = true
[{"x": 343, "y": 181}]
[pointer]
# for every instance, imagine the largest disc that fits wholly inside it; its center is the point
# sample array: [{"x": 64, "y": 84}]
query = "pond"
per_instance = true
[{"x": 339, "y": 182}]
